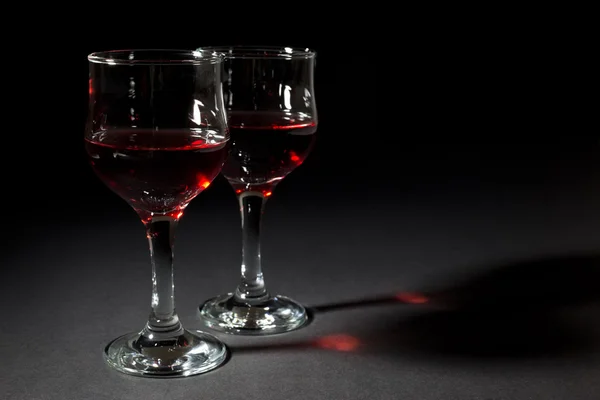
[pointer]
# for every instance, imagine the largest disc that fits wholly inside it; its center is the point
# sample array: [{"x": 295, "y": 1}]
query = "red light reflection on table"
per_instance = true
[
  {"x": 339, "y": 342},
  {"x": 411, "y": 298}
]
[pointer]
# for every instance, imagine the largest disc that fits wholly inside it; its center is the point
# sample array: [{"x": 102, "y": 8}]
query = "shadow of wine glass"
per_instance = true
[{"x": 527, "y": 309}]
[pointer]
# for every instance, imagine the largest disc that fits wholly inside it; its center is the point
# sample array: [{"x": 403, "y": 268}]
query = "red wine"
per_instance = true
[
  {"x": 156, "y": 171},
  {"x": 265, "y": 147}
]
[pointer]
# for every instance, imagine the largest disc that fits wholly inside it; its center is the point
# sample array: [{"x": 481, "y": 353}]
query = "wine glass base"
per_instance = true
[
  {"x": 277, "y": 314},
  {"x": 185, "y": 354}
]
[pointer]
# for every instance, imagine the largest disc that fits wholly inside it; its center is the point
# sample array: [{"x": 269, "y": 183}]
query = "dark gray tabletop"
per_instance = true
[{"x": 502, "y": 268}]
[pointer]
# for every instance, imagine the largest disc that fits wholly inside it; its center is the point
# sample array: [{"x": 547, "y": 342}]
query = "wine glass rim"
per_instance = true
[
  {"x": 155, "y": 57},
  {"x": 261, "y": 52}
]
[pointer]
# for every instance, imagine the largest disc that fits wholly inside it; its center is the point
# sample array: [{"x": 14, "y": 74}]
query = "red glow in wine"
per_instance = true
[
  {"x": 265, "y": 147},
  {"x": 156, "y": 171}
]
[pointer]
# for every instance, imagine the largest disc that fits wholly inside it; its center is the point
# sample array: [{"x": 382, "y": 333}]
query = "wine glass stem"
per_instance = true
[
  {"x": 161, "y": 234},
  {"x": 251, "y": 289}
]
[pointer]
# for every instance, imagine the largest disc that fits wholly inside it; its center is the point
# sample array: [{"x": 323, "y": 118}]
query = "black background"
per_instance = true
[{"x": 401, "y": 105}]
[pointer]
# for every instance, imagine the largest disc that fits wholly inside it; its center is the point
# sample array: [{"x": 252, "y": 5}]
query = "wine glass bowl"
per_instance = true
[
  {"x": 157, "y": 136},
  {"x": 158, "y": 109},
  {"x": 272, "y": 116},
  {"x": 267, "y": 147}
]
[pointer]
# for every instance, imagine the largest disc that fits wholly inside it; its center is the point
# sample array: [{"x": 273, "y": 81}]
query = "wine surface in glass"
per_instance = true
[
  {"x": 266, "y": 146},
  {"x": 156, "y": 171}
]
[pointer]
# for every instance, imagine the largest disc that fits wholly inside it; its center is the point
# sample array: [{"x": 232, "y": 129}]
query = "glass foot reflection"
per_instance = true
[
  {"x": 181, "y": 354},
  {"x": 275, "y": 315}
]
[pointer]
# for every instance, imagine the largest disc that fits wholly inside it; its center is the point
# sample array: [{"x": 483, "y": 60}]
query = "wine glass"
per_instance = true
[
  {"x": 270, "y": 100},
  {"x": 157, "y": 135}
]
